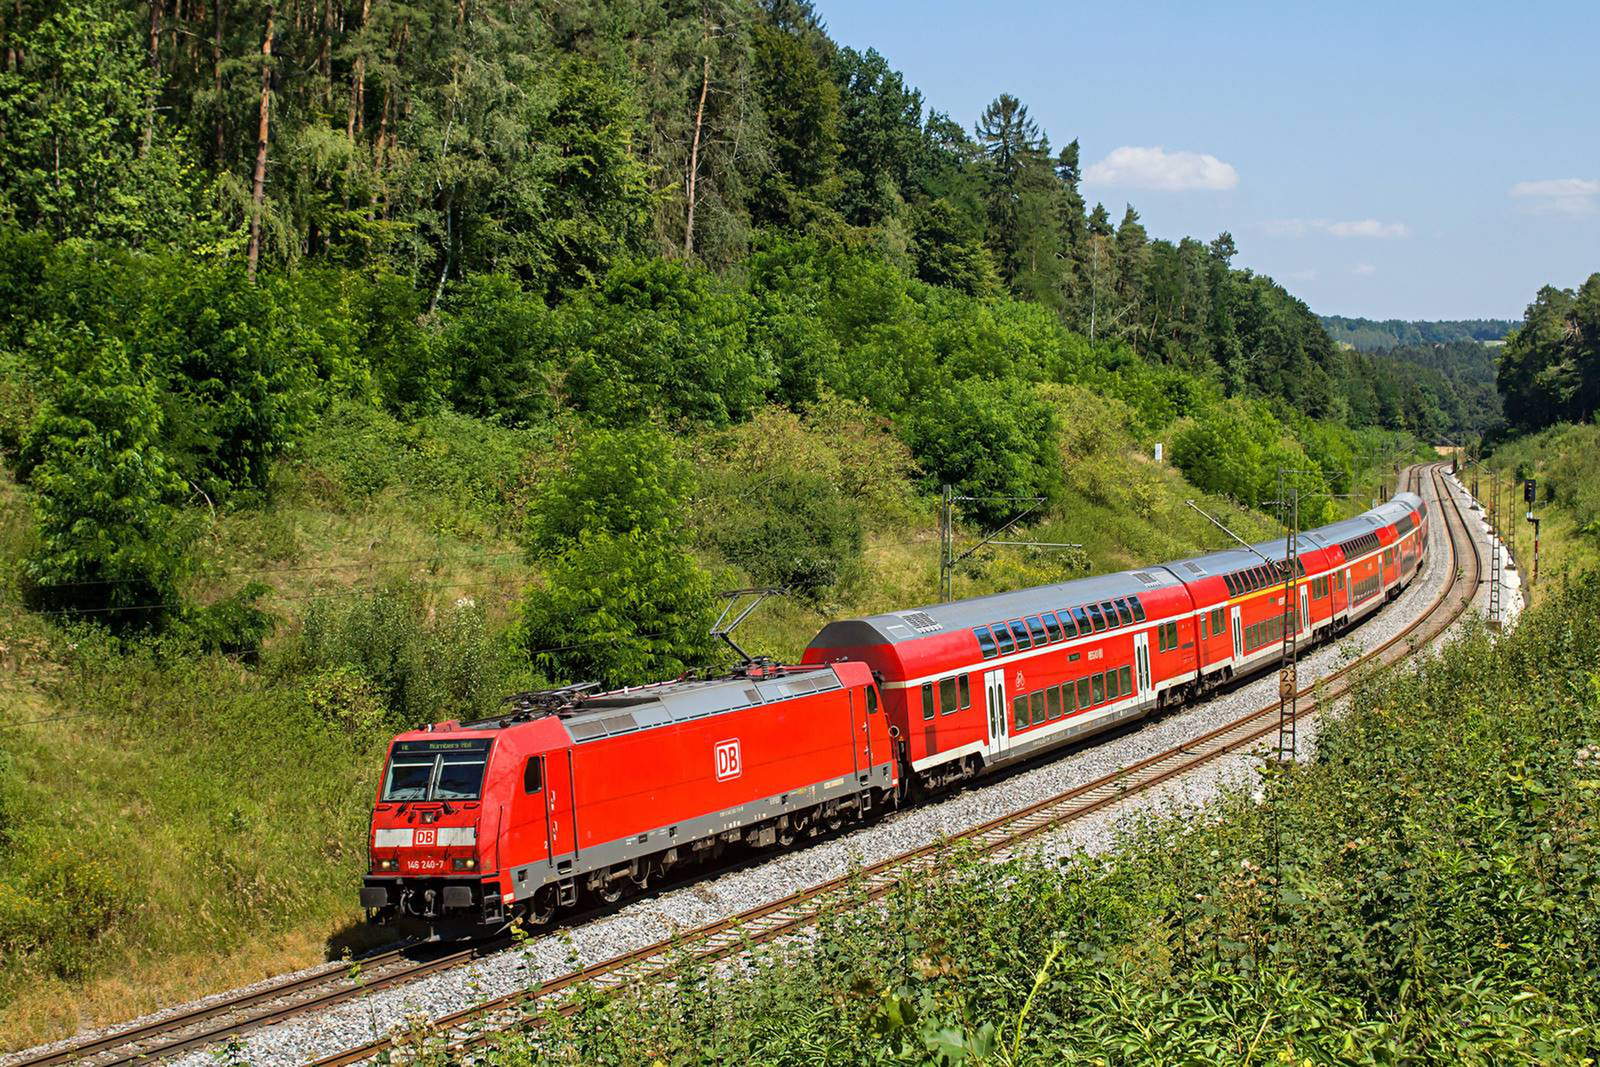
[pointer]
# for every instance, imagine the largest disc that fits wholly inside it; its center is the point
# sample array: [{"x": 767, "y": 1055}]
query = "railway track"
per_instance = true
[
  {"x": 481, "y": 1024},
  {"x": 224, "y": 1019}
]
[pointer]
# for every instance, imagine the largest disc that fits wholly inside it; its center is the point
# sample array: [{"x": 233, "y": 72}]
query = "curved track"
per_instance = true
[{"x": 481, "y": 1024}]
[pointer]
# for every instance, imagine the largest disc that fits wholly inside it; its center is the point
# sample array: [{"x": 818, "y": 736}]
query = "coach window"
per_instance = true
[
  {"x": 1084, "y": 699},
  {"x": 927, "y": 700},
  {"x": 1052, "y": 702},
  {"x": 1098, "y": 619},
  {"x": 966, "y": 693},
  {"x": 1052, "y": 625},
  {"x": 1069, "y": 628},
  {"x": 1019, "y": 713},
  {"x": 1069, "y": 699},
  {"x": 1126, "y": 675},
  {"x": 1002, "y": 637},
  {"x": 1037, "y": 700},
  {"x": 948, "y": 701},
  {"x": 1081, "y": 617},
  {"x": 1219, "y": 621},
  {"x": 1036, "y": 630},
  {"x": 1020, "y": 634},
  {"x": 1110, "y": 611},
  {"x": 985, "y": 642},
  {"x": 1138, "y": 608},
  {"x": 1099, "y": 682},
  {"x": 533, "y": 775},
  {"x": 1111, "y": 685}
]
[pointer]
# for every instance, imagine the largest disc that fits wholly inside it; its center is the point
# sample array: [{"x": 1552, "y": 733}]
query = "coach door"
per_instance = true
[
  {"x": 994, "y": 692},
  {"x": 1141, "y": 662},
  {"x": 1238, "y": 634},
  {"x": 1305, "y": 606}
]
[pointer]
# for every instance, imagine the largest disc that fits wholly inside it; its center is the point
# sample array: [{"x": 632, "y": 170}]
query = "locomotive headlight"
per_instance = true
[
  {"x": 389, "y": 864},
  {"x": 468, "y": 864}
]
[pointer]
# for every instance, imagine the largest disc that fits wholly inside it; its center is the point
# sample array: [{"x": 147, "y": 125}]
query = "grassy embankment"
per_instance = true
[
  {"x": 177, "y": 823},
  {"x": 1566, "y": 462},
  {"x": 1424, "y": 893}
]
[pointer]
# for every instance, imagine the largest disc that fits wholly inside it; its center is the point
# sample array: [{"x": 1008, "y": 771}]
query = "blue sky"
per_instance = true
[{"x": 1399, "y": 160}]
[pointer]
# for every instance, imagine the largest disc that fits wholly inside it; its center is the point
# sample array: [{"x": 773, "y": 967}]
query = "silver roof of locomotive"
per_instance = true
[{"x": 625, "y": 711}]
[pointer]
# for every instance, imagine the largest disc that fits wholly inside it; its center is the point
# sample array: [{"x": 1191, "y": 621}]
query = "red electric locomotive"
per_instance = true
[{"x": 478, "y": 823}]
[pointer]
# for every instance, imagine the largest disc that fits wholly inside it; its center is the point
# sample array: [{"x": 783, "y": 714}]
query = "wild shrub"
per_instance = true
[
  {"x": 989, "y": 440},
  {"x": 621, "y": 600},
  {"x": 424, "y": 662},
  {"x": 665, "y": 339},
  {"x": 102, "y": 484}
]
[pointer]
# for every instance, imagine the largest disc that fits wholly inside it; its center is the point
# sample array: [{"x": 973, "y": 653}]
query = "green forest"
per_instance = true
[{"x": 1370, "y": 335}]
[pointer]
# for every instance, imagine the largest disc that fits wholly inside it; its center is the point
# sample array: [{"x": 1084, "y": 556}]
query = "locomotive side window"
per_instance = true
[
  {"x": 947, "y": 695},
  {"x": 1098, "y": 619},
  {"x": 1124, "y": 612},
  {"x": 1002, "y": 637},
  {"x": 1020, "y": 632},
  {"x": 985, "y": 642},
  {"x": 1019, "y": 713},
  {"x": 966, "y": 692},
  {"x": 1138, "y": 608},
  {"x": 533, "y": 776},
  {"x": 872, "y": 700},
  {"x": 927, "y": 700},
  {"x": 1052, "y": 625},
  {"x": 1036, "y": 630}
]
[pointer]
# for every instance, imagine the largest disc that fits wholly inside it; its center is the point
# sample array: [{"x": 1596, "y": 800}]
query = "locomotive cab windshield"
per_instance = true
[{"x": 436, "y": 770}]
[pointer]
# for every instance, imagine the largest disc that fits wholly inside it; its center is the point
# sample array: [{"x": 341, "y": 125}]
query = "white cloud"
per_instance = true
[
  {"x": 1559, "y": 196},
  {"x": 1155, "y": 168},
  {"x": 1366, "y": 228},
  {"x": 1364, "y": 269}
]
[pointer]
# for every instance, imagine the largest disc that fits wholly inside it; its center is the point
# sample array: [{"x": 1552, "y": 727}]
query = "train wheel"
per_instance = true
[{"x": 542, "y": 908}]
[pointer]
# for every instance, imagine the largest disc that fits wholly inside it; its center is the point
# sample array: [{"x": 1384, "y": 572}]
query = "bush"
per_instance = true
[
  {"x": 663, "y": 338},
  {"x": 102, "y": 484},
  {"x": 614, "y": 481},
  {"x": 989, "y": 440},
  {"x": 617, "y": 608},
  {"x": 494, "y": 344},
  {"x": 799, "y": 533},
  {"x": 424, "y": 664}
]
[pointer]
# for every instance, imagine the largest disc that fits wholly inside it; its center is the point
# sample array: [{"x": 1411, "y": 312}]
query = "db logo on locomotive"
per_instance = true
[
  {"x": 427, "y": 837},
  {"x": 727, "y": 759}
]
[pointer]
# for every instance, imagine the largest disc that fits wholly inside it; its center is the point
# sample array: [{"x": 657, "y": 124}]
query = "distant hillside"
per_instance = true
[{"x": 1369, "y": 335}]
